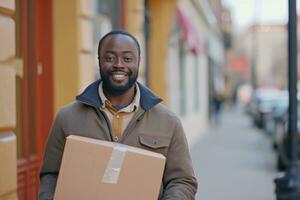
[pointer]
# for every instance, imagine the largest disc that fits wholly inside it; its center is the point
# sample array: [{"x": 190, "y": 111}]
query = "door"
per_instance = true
[{"x": 34, "y": 90}]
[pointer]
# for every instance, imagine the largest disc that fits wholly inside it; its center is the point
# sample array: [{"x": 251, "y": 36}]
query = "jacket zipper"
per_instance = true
[
  {"x": 99, "y": 112},
  {"x": 131, "y": 125}
]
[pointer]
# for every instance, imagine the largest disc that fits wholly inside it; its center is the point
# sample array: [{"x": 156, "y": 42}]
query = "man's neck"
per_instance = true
[{"x": 120, "y": 100}]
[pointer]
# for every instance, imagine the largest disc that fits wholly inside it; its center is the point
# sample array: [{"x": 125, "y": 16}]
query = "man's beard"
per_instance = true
[{"x": 114, "y": 89}]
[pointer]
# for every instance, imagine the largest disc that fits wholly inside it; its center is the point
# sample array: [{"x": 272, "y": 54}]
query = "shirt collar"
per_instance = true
[
  {"x": 90, "y": 96},
  {"x": 133, "y": 106}
]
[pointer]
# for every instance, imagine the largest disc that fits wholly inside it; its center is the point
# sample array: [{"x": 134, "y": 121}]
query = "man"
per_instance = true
[{"x": 118, "y": 108}]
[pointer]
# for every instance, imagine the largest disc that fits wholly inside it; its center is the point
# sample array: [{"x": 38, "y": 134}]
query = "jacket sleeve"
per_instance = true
[
  {"x": 52, "y": 160},
  {"x": 179, "y": 179}
]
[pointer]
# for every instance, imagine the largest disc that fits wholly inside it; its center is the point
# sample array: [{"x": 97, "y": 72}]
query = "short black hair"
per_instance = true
[{"x": 119, "y": 32}]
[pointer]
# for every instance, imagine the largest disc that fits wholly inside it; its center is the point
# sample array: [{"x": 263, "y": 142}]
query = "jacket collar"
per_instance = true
[{"x": 91, "y": 96}]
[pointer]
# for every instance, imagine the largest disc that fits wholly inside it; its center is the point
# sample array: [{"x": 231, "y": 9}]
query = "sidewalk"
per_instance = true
[{"x": 234, "y": 161}]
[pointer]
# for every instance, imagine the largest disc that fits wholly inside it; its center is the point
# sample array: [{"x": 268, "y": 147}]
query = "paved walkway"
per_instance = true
[{"x": 234, "y": 161}]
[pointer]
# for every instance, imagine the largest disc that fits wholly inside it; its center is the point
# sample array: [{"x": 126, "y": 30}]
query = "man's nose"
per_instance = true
[{"x": 119, "y": 63}]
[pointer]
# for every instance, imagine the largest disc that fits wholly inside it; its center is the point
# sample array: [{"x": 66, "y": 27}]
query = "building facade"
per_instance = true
[
  {"x": 265, "y": 48},
  {"x": 48, "y": 56}
]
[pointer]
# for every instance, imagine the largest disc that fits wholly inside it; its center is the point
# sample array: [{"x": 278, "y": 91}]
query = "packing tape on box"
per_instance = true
[{"x": 114, "y": 166}]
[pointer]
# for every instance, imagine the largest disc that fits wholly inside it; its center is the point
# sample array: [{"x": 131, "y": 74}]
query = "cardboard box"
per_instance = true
[
  {"x": 95, "y": 169},
  {"x": 8, "y": 163}
]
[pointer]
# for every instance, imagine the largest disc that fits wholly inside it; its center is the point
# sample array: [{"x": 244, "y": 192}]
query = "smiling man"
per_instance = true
[{"x": 117, "y": 108}]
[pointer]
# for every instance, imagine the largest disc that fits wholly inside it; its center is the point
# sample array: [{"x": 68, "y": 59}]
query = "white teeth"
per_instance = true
[{"x": 119, "y": 76}]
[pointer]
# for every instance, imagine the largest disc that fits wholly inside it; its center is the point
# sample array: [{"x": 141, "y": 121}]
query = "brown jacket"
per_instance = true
[{"x": 153, "y": 128}]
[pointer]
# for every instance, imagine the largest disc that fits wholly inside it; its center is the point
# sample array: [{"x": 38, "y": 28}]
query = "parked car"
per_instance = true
[
  {"x": 283, "y": 144},
  {"x": 274, "y": 123},
  {"x": 262, "y": 104}
]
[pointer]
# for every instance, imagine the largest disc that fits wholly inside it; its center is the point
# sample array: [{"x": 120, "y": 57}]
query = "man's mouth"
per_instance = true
[{"x": 118, "y": 76}]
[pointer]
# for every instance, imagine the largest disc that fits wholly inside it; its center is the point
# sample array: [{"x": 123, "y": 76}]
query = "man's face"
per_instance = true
[{"x": 119, "y": 64}]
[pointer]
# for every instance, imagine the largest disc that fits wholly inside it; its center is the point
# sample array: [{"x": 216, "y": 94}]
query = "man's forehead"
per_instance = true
[
  {"x": 118, "y": 39},
  {"x": 119, "y": 42}
]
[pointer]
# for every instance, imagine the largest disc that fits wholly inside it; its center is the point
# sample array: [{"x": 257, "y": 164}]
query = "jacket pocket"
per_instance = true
[{"x": 155, "y": 143}]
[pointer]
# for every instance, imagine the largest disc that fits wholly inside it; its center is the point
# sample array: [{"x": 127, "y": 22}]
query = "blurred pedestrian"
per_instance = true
[
  {"x": 218, "y": 100},
  {"x": 234, "y": 96},
  {"x": 117, "y": 108}
]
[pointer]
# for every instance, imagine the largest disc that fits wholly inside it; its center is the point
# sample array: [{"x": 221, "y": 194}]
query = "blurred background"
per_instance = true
[{"x": 220, "y": 65}]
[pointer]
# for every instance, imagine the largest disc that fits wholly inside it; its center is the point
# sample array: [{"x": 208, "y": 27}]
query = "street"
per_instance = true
[{"x": 234, "y": 161}]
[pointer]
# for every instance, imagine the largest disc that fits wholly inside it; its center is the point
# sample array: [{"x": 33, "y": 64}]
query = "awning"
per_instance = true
[{"x": 190, "y": 35}]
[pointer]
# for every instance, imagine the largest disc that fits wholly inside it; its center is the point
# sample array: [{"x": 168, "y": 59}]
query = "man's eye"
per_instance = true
[
  {"x": 109, "y": 59},
  {"x": 126, "y": 59}
]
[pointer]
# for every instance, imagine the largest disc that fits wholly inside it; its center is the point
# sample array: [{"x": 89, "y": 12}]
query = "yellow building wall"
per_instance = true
[
  {"x": 8, "y": 155},
  {"x": 134, "y": 16},
  {"x": 73, "y": 44},
  {"x": 73, "y": 70},
  {"x": 161, "y": 22},
  {"x": 134, "y": 24}
]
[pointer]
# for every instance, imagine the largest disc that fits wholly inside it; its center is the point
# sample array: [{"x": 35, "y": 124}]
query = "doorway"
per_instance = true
[{"x": 34, "y": 93}]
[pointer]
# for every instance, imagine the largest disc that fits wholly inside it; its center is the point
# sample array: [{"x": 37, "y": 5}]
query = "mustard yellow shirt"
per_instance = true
[{"x": 119, "y": 119}]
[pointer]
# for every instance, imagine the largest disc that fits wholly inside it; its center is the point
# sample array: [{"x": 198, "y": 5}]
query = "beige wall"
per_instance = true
[
  {"x": 270, "y": 43},
  {"x": 134, "y": 24},
  {"x": 73, "y": 69},
  {"x": 73, "y": 44},
  {"x": 8, "y": 166},
  {"x": 7, "y": 71},
  {"x": 161, "y": 17}
]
